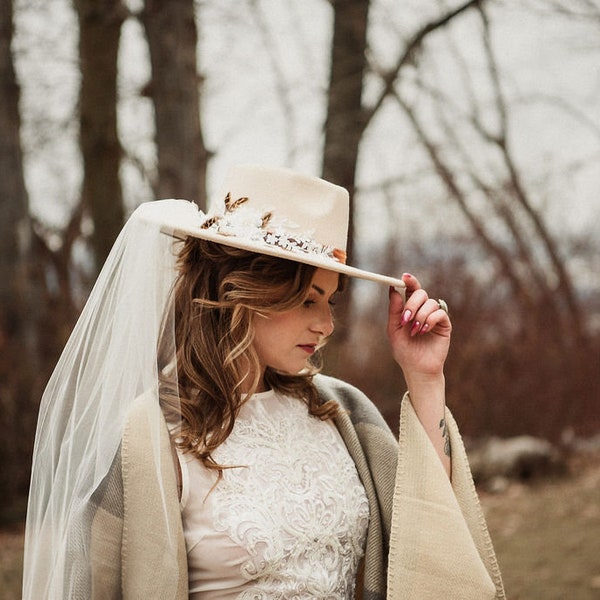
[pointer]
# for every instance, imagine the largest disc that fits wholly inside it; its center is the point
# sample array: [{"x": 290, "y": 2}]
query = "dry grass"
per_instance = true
[{"x": 546, "y": 536}]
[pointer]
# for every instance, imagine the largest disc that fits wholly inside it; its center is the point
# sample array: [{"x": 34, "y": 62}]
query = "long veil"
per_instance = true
[{"x": 110, "y": 359}]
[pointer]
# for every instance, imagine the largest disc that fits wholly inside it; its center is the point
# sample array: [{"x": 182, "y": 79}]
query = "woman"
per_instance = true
[{"x": 187, "y": 448}]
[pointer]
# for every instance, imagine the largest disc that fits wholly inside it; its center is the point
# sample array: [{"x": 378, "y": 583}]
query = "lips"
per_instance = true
[{"x": 308, "y": 348}]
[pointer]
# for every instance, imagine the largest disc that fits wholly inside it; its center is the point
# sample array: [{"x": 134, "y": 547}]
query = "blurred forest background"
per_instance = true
[{"x": 468, "y": 133}]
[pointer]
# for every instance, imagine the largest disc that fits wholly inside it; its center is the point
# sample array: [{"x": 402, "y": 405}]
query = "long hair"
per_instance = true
[{"x": 218, "y": 292}]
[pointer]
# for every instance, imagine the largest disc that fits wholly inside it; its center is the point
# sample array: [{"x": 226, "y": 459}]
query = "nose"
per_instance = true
[{"x": 323, "y": 322}]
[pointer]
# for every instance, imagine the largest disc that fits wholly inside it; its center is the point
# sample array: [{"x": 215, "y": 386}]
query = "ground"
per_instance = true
[
  {"x": 11, "y": 549},
  {"x": 546, "y": 534}
]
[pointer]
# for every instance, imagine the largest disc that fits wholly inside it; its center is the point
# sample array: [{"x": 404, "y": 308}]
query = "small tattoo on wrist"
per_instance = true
[{"x": 446, "y": 436}]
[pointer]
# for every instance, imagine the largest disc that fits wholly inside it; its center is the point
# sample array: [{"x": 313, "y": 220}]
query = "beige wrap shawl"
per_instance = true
[{"x": 427, "y": 537}]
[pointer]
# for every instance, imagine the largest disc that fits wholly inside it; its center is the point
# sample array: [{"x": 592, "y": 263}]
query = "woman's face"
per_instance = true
[{"x": 285, "y": 340}]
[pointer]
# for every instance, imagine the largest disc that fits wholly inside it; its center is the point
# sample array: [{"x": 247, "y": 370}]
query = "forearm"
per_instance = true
[
  {"x": 419, "y": 331},
  {"x": 428, "y": 398}
]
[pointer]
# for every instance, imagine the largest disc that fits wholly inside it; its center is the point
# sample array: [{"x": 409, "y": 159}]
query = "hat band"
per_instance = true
[{"x": 241, "y": 221}]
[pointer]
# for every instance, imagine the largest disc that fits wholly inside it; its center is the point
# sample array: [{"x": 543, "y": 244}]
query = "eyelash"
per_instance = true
[{"x": 310, "y": 302}]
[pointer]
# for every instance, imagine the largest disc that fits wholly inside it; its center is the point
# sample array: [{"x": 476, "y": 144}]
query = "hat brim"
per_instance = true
[{"x": 320, "y": 261}]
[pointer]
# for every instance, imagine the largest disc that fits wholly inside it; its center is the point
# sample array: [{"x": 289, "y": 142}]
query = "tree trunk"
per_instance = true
[
  {"x": 344, "y": 127},
  {"x": 13, "y": 197},
  {"x": 17, "y": 339},
  {"x": 182, "y": 156},
  {"x": 99, "y": 31},
  {"x": 345, "y": 115}
]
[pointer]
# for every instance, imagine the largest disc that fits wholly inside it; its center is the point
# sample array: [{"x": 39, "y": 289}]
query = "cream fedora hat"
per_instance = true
[{"x": 281, "y": 213}]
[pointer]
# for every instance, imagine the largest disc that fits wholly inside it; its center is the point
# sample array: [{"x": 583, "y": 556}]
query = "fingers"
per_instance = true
[
  {"x": 425, "y": 318},
  {"x": 419, "y": 314}
]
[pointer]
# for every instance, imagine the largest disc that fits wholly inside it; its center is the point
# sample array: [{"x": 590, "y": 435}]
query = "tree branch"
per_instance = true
[
  {"x": 389, "y": 77},
  {"x": 447, "y": 177},
  {"x": 573, "y": 324}
]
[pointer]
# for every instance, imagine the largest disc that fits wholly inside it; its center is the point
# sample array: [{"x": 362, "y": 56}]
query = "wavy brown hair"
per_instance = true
[{"x": 217, "y": 293}]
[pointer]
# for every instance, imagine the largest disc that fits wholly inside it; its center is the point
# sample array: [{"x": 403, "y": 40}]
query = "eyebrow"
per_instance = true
[{"x": 321, "y": 291}]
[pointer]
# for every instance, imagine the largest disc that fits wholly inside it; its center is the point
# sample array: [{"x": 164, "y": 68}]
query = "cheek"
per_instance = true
[
  {"x": 275, "y": 330},
  {"x": 267, "y": 331},
  {"x": 278, "y": 324}
]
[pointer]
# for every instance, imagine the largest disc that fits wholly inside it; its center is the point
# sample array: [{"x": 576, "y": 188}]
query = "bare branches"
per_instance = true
[
  {"x": 412, "y": 47},
  {"x": 582, "y": 10},
  {"x": 284, "y": 92},
  {"x": 529, "y": 259},
  {"x": 448, "y": 179},
  {"x": 519, "y": 193}
]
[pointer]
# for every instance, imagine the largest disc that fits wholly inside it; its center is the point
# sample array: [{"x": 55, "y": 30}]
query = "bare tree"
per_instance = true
[
  {"x": 565, "y": 300},
  {"x": 344, "y": 124},
  {"x": 529, "y": 258},
  {"x": 17, "y": 342},
  {"x": 541, "y": 308},
  {"x": 13, "y": 197},
  {"x": 182, "y": 156},
  {"x": 541, "y": 356},
  {"x": 99, "y": 33},
  {"x": 346, "y": 117},
  {"x": 412, "y": 47}
]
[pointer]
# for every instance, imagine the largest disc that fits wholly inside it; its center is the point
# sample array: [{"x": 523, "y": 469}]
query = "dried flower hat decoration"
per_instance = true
[{"x": 243, "y": 222}]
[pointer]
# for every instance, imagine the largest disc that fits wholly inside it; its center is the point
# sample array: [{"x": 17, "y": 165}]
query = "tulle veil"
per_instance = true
[{"x": 110, "y": 359}]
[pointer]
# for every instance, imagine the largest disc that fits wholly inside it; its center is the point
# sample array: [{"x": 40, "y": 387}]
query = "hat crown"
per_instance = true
[{"x": 305, "y": 206}]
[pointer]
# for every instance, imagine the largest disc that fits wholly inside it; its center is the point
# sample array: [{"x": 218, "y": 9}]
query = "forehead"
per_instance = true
[{"x": 327, "y": 281}]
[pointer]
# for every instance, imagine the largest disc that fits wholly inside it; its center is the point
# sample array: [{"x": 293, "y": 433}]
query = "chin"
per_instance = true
[{"x": 304, "y": 370}]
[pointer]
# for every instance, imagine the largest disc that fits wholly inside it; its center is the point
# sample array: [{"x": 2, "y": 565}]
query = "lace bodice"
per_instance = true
[{"x": 289, "y": 521}]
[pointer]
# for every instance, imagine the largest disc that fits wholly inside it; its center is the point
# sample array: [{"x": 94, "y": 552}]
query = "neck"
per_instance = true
[
  {"x": 262, "y": 387},
  {"x": 248, "y": 383}
]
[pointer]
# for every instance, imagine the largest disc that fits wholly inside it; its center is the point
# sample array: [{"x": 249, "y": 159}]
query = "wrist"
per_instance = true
[
  {"x": 424, "y": 381},
  {"x": 426, "y": 389}
]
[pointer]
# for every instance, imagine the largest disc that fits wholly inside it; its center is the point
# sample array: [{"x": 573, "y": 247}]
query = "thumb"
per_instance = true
[{"x": 395, "y": 308}]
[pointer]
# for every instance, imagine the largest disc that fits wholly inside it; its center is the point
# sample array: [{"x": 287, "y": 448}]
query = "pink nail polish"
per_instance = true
[
  {"x": 424, "y": 329},
  {"x": 406, "y": 317},
  {"x": 415, "y": 328}
]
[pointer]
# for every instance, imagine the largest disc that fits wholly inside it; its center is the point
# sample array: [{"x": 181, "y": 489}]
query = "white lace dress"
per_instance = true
[{"x": 289, "y": 521}]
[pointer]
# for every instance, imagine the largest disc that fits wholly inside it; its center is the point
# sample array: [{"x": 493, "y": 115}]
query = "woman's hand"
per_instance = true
[{"x": 419, "y": 331}]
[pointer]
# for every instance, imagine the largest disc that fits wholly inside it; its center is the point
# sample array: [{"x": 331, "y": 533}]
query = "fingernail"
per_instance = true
[
  {"x": 415, "y": 328},
  {"x": 424, "y": 328},
  {"x": 406, "y": 317}
]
